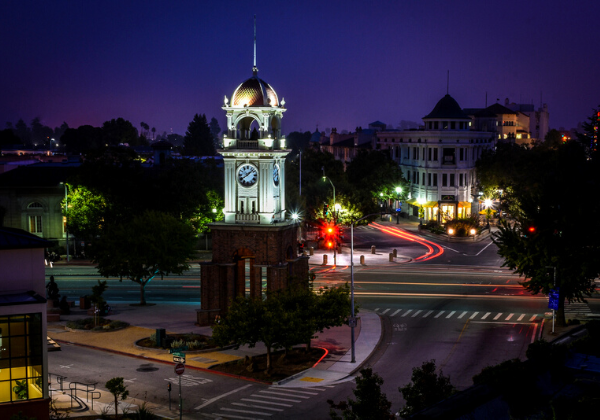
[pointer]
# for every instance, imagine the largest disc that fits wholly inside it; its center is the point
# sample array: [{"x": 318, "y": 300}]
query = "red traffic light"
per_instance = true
[{"x": 531, "y": 229}]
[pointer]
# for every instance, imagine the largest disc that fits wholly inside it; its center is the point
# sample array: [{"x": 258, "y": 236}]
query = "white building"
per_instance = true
[{"x": 439, "y": 161}]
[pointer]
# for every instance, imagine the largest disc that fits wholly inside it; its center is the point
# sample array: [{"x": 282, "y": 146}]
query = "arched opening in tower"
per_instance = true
[{"x": 248, "y": 129}]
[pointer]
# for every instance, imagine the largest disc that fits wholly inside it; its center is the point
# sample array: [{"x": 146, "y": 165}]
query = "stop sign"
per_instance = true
[{"x": 179, "y": 368}]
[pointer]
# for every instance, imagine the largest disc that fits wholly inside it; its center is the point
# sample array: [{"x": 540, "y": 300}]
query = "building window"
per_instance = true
[
  {"x": 462, "y": 153},
  {"x": 452, "y": 125},
  {"x": 35, "y": 224},
  {"x": 444, "y": 180},
  {"x": 423, "y": 179},
  {"x": 449, "y": 156},
  {"x": 452, "y": 180},
  {"x": 435, "y": 154},
  {"x": 429, "y": 180},
  {"x": 460, "y": 180},
  {"x": 435, "y": 180},
  {"x": 430, "y": 153},
  {"x": 35, "y": 205},
  {"x": 435, "y": 125},
  {"x": 21, "y": 349}
]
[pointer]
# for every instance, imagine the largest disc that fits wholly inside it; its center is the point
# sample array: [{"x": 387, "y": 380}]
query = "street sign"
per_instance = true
[
  {"x": 352, "y": 321},
  {"x": 178, "y": 349},
  {"x": 553, "y": 298},
  {"x": 179, "y": 368},
  {"x": 179, "y": 359}
]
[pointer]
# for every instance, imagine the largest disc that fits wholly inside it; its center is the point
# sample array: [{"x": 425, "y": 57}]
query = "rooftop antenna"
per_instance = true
[
  {"x": 448, "y": 83},
  {"x": 254, "y": 68}
]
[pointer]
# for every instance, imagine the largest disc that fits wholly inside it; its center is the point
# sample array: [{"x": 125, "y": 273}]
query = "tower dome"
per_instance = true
[
  {"x": 447, "y": 107},
  {"x": 254, "y": 92}
]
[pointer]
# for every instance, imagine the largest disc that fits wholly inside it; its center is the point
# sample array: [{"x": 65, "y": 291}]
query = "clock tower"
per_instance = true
[{"x": 255, "y": 248}]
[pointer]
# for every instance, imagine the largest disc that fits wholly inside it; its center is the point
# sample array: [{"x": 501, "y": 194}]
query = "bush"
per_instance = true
[{"x": 102, "y": 324}]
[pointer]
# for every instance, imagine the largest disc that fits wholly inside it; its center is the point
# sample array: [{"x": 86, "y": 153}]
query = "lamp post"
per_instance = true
[
  {"x": 66, "y": 223},
  {"x": 488, "y": 206},
  {"x": 300, "y": 180},
  {"x": 398, "y": 191},
  {"x": 332, "y": 186},
  {"x": 553, "y": 311},
  {"x": 352, "y": 318}
]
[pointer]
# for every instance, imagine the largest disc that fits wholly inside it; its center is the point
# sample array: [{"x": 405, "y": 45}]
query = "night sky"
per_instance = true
[{"x": 338, "y": 64}]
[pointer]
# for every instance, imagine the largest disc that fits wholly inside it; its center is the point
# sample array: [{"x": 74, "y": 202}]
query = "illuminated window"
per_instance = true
[
  {"x": 21, "y": 349},
  {"x": 35, "y": 224}
]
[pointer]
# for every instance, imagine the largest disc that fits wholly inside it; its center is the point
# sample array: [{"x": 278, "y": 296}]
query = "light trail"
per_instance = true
[{"x": 430, "y": 254}]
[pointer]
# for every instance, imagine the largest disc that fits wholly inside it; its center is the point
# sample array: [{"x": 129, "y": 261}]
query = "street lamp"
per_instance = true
[
  {"x": 327, "y": 178},
  {"x": 352, "y": 318},
  {"x": 488, "y": 203},
  {"x": 66, "y": 222},
  {"x": 398, "y": 191}
]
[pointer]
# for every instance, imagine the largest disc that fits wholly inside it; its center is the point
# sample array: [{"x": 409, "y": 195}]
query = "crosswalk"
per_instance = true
[
  {"x": 572, "y": 310},
  {"x": 266, "y": 403}
]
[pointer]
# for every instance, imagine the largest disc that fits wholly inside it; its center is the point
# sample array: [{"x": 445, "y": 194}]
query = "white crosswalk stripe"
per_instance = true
[
  {"x": 268, "y": 403},
  {"x": 473, "y": 316}
]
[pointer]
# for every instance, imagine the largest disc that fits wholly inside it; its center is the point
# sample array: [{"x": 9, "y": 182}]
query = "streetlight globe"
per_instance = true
[
  {"x": 214, "y": 210},
  {"x": 487, "y": 202},
  {"x": 398, "y": 190},
  {"x": 337, "y": 206},
  {"x": 295, "y": 216}
]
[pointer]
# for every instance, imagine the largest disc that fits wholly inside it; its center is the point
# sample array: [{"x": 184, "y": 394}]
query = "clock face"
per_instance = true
[
  {"x": 247, "y": 175},
  {"x": 276, "y": 175}
]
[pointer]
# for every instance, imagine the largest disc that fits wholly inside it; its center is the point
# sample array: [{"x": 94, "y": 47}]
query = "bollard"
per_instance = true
[
  {"x": 311, "y": 250},
  {"x": 339, "y": 250},
  {"x": 372, "y": 249},
  {"x": 324, "y": 259},
  {"x": 395, "y": 253},
  {"x": 362, "y": 260},
  {"x": 304, "y": 253},
  {"x": 391, "y": 257}
]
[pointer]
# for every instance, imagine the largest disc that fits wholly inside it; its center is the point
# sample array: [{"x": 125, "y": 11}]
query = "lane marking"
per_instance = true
[
  {"x": 285, "y": 395},
  {"x": 294, "y": 390},
  {"x": 532, "y": 318},
  {"x": 417, "y": 313},
  {"x": 474, "y": 315},
  {"x": 427, "y": 314},
  {"x": 247, "y": 411},
  {"x": 376, "y": 309},
  {"x": 438, "y": 315},
  {"x": 275, "y": 398},
  {"x": 521, "y": 317},
  {"x": 266, "y": 402},
  {"x": 384, "y": 312},
  {"x": 406, "y": 313},
  {"x": 509, "y": 317},
  {"x": 231, "y": 416},
  {"x": 397, "y": 310},
  {"x": 498, "y": 316},
  {"x": 486, "y": 315},
  {"x": 212, "y": 400},
  {"x": 484, "y": 248},
  {"x": 463, "y": 314},
  {"x": 257, "y": 406},
  {"x": 450, "y": 314}
]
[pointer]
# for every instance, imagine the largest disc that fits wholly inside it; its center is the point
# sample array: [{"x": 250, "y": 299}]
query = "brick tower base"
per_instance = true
[{"x": 247, "y": 260}]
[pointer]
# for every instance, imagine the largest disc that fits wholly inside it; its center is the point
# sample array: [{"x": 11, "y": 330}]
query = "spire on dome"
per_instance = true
[{"x": 254, "y": 68}]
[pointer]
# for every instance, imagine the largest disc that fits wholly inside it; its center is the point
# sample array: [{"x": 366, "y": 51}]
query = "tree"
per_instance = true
[
  {"x": 198, "y": 139},
  {"x": 8, "y": 138},
  {"x": 146, "y": 127},
  {"x": 23, "y": 132},
  {"x": 589, "y": 136},
  {"x": 215, "y": 130},
  {"x": 370, "y": 403},
  {"x": 547, "y": 232},
  {"x": 119, "y": 132},
  {"x": 118, "y": 389},
  {"x": 151, "y": 244},
  {"x": 83, "y": 139},
  {"x": 204, "y": 214},
  {"x": 40, "y": 134},
  {"x": 426, "y": 389},
  {"x": 86, "y": 212},
  {"x": 153, "y": 132}
]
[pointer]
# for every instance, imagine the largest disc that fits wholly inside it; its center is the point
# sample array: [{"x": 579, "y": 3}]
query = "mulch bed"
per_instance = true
[{"x": 297, "y": 360}]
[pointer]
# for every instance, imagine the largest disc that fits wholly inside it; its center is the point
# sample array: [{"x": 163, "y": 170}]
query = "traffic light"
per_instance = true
[
  {"x": 531, "y": 229},
  {"x": 325, "y": 209}
]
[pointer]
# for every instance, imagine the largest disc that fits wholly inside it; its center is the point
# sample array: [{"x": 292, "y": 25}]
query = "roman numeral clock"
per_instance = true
[{"x": 255, "y": 247}]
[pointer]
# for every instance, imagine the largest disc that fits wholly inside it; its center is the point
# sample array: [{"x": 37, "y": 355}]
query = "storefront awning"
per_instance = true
[
  {"x": 430, "y": 204},
  {"x": 464, "y": 204}
]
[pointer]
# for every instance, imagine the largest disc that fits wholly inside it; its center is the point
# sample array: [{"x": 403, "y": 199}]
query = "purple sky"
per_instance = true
[{"x": 337, "y": 63}]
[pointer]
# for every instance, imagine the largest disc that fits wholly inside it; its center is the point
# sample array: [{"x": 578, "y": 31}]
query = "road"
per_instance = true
[{"x": 459, "y": 308}]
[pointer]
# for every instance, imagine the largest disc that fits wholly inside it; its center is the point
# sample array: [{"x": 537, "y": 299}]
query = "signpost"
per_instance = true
[
  {"x": 553, "y": 302},
  {"x": 179, "y": 369},
  {"x": 179, "y": 357}
]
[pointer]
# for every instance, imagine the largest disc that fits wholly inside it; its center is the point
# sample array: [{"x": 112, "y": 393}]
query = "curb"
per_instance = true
[{"x": 372, "y": 350}]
